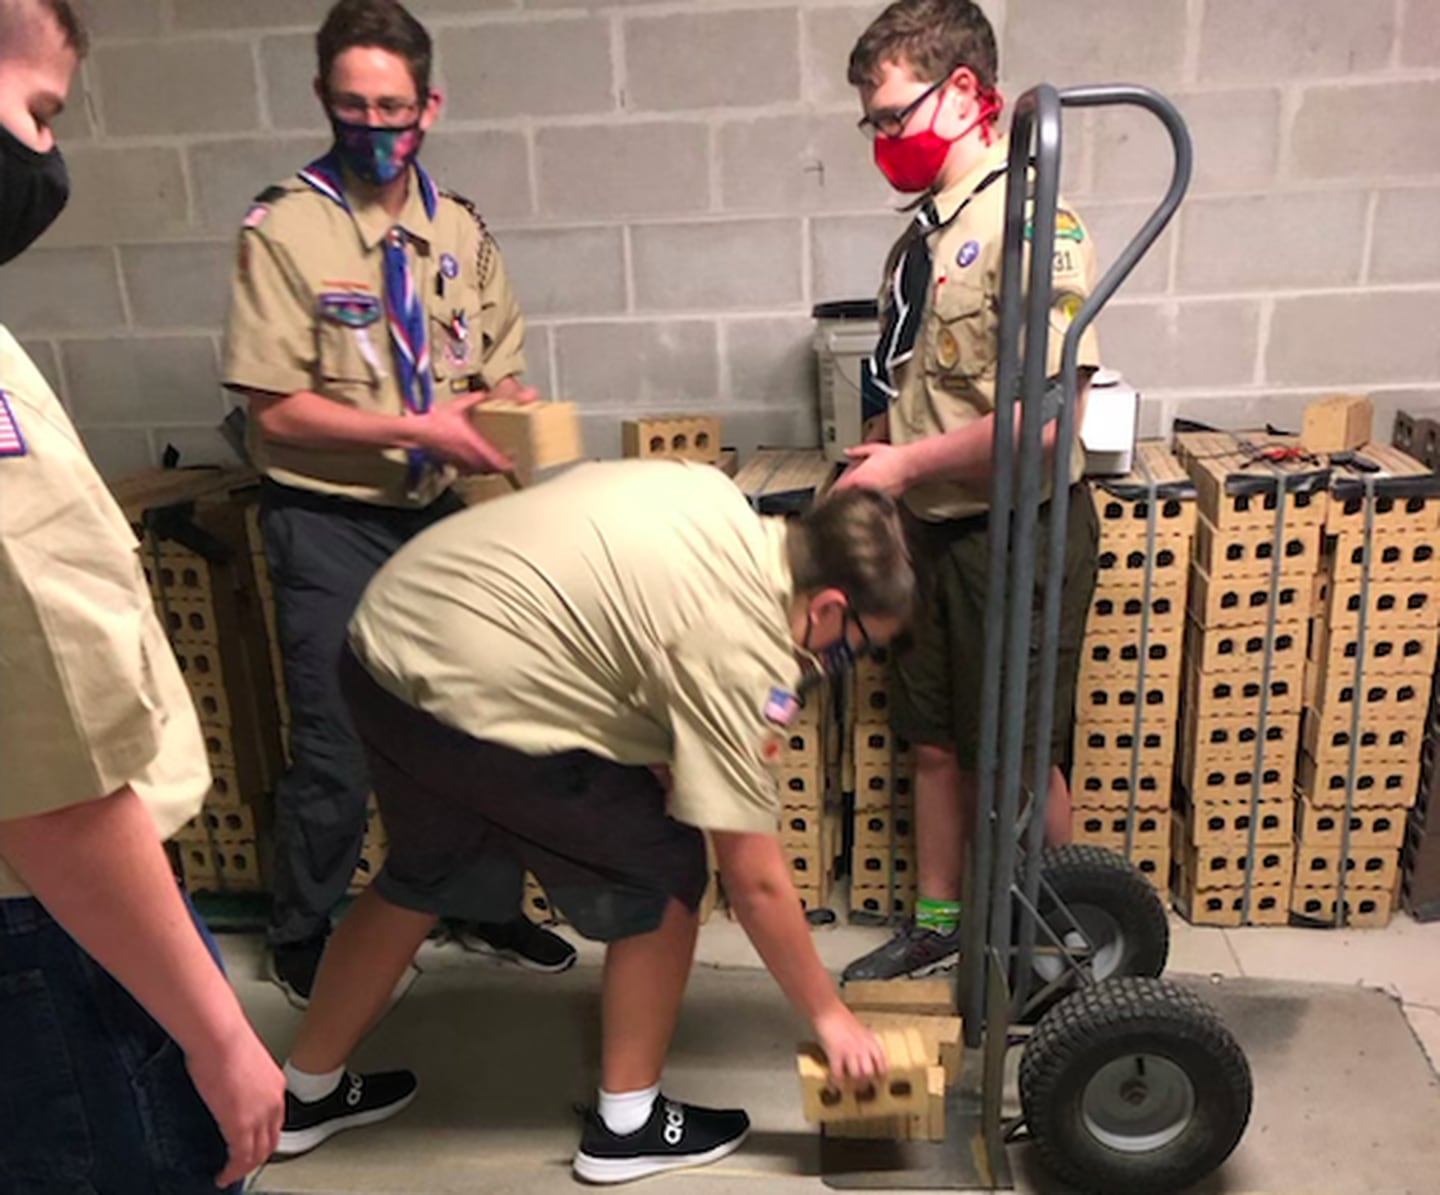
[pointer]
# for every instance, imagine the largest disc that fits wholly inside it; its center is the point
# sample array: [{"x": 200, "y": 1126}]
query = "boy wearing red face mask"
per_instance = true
[{"x": 925, "y": 71}]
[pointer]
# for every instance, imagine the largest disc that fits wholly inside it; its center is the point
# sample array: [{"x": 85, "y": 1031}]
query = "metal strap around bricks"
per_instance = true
[{"x": 1362, "y": 629}]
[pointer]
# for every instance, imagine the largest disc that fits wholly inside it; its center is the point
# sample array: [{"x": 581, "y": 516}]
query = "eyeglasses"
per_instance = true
[
  {"x": 890, "y": 122},
  {"x": 867, "y": 644},
  {"x": 392, "y": 110}
]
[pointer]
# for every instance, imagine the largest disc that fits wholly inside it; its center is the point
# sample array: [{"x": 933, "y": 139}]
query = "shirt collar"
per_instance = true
[{"x": 330, "y": 178}]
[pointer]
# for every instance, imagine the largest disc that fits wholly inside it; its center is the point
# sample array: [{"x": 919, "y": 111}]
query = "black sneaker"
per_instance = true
[
  {"x": 912, "y": 952},
  {"x": 293, "y": 966},
  {"x": 520, "y": 941},
  {"x": 675, "y": 1137},
  {"x": 358, "y": 1100}
]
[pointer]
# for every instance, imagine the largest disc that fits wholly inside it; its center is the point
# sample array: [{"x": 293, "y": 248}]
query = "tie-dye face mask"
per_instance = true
[{"x": 377, "y": 154}]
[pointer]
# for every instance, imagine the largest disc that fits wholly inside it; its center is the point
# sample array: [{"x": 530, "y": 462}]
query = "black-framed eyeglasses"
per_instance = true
[
  {"x": 393, "y": 111},
  {"x": 890, "y": 122},
  {"x": 867, "y": 644}
]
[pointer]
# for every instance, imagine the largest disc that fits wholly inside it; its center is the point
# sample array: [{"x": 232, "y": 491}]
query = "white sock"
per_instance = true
[
  {"x": 308, "y": 1088},
  {"x": 626, "y": 1112}
]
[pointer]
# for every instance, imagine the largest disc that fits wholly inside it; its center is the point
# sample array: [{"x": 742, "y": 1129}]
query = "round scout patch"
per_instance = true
[
  {"x": 449, "y": 266},
  {"x": 969, "y": 251},
  {"x": 947, "y": 349}
]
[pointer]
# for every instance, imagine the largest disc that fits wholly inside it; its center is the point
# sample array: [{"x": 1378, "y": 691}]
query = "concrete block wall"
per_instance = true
[{"x": 675, "y": 183}]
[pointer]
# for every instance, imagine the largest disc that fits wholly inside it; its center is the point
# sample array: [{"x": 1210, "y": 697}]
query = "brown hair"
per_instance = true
[
  {"x": 852, "y": 540},
  {"x": 931, "y": 37},
  {"x": 62, "y": 12},
  {"x": 384, "y": 24}
]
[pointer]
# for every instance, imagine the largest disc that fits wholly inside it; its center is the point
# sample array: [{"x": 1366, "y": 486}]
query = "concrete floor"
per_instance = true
[{"x": 503, "y": 1055}]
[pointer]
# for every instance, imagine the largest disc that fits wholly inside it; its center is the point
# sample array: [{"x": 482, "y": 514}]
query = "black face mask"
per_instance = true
[{"x": 34, "y": 188}]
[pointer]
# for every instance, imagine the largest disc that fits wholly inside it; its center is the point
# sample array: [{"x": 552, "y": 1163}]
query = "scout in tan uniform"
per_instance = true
[
  {"x": 370, "y": 311},
  {"x": 126, "y": 1064},
  {"x": 925, "y": 70},
  {"x": 519, "y": 677}
]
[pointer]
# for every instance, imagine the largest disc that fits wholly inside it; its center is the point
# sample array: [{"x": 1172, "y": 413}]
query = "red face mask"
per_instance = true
[{"x": 912, "y": 163}]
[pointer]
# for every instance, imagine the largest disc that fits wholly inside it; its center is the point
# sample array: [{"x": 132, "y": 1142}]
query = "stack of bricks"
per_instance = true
[
  {"x": 1378, "y": 689},
  {"x": 1420, "y": 865},
  {"x": 882, "y": 857},
  {"x": 196, "y": 557},
  {"x": 1226, "y": 780},
  {"x": 808, "y": 824},
  {"x": 1131, "y": 664}
]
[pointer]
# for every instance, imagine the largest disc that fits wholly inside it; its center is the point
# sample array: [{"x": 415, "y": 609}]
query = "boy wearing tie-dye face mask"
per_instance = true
[{"x": 370, "y": 311}]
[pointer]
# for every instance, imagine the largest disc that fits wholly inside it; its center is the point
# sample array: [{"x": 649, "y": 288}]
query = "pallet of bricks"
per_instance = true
[
  {"x": 197, "y": 560},
  {"x": 1372, "y": 651},
  {"x": 881, "y": 774},
  {"x": 1127, "y": 694},
  {"x": 1262, "y": 504}
]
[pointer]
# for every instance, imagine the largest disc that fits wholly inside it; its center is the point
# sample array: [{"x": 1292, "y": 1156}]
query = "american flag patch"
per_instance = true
[
  {"x": 781, "y": 707},
  {"x": 12, "y": 441}
]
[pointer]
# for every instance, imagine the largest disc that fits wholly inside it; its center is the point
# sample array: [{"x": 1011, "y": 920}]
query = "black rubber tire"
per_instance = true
[
  {"x": 1082, "y": 875},
  {"x": 1111, "y": 1020}
]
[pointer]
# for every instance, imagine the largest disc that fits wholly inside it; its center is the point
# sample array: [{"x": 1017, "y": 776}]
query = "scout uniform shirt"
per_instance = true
[
  {"x": 91, "y": 698},
  {"x": 308, "y": 312},
  {"x": 950, "y": 380},
  {"x": 635, "y": 610}
]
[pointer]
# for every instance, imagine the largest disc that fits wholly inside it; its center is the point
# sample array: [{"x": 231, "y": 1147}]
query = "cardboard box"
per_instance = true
[
  {"x": 534, "y": 436},
  {"x": 1337, "y": 423}
]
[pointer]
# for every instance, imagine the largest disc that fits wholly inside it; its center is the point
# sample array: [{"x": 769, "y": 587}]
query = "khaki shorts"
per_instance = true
[{"x": 936, "y": 677}]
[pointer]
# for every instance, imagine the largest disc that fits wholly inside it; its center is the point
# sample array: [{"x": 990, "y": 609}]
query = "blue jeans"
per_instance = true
[{"x": 94, "y": 1095}]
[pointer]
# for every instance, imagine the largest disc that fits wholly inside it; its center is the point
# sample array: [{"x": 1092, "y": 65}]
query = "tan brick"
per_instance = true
[
  {"x": 124, "y": 18},
  {"x": 204, "y": 87},
  {"x": 1168, "y": 345},
  {"x": 798, "y": 163},
  {"x": 1236, "y": 136},
  {"x": 288, "y": 63},
  {"x": 1339, "y": 340},
  {"x": 178, "y": 286},
  {"x": 771, "y": 362},
  {"x": 120, "y": 194},
  {"x": 1420, "y": 33},
  {"x": 548, "y": 68},
  {"x": 1267, "y": 40},
  {"x": 566, "y": 271},
  {"x": 848, "y": 253},
  {"x": 62, "y": 290},
  {"x": 1406, "y": 247},
  {"x": 830, "y": 35},
  {"x": 1272, "y": 241},
  {"x": 227, "y": 175},
  {"x": 117, "y": 451},
  {"x": 712, "y": 60},
  {"x": 1114, "y": 225},
  {"x": 492, "y": 169},
  {"x": 1140, "y": 41},
  {"x": 250, "y": 14},
  {"x": 659, "y": 366},
  {"x": 640, "y": 169},
  {"x": 1362, "y": 131},
  {"x": 143, "y": 380},
  {"x": 720, "y": 264}
]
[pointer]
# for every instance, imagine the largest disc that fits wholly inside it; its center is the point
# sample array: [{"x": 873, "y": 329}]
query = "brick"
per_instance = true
[
  {"x": 1182, "y": 344},
  {"x": 178, "y": 286},
  {"x": 830, "y": 34},
  {"x": 116, "y": 451},
  {"x": 1114, "y": 225},
  {"x": 1279, "y": 39},
  {"x": 638, "y": 169},
  {"x": 227, "y": 175},
  {"x": 46, "y": 358},
  {"x": 62, "y": 290},
  {"x": 1236, "y": 136},
  {"x": 1365, "y": 131},
  {"x": 1339, "y": 340},
  {"x": 120, "y": 194},
  {"x": 770, "y": 362},
  {"x": 798, "y": 163},
  {"x": 1272, "y": 241},
  {"x": 549, "y": 68},
  {"x": 1420, "y": 34},
  {"x": 682, "y": 437},
  {"x": 209, "y": 87},
  {"x": 725, "y": 264},
  {"x": 124, "y": 18},
  {"x": 712, "y": 60},
  {"x": 491, "y": 169},
  {"x": 660, "y": 365},
  {"x": 288, "y": 65},
  {"x": 1406, "y": 247},
  {"x": 253, "y": 14},
  {"x": 163, "y": 378},
  {"x": 535, "y": 436},
  {"x": 1141, "y": 41},
  {"x": 847, "y": 254},
  {"x": 566, "y": 271}
]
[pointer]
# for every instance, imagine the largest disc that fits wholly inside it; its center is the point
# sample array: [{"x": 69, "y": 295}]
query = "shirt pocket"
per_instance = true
[
  {"x": 352, "y": 345},
  {"x": 457, "y": 346},
  {"x": 960, "y": 333}
]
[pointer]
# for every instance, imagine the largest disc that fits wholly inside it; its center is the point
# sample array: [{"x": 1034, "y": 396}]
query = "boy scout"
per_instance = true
[
  {"x": 370, "y": 311},
  {"x": 126, "y": 1064},
  {"x": 925, "y": 71},
  {"x": 519, "y": 676}
]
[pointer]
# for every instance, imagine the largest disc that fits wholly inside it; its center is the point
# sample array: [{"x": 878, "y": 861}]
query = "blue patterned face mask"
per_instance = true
[
  {"x": 835, "y": 659},
  {"x": 376, "y": 154}
]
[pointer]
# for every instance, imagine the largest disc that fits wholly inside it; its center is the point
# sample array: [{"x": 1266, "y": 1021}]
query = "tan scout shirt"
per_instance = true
[
  {"x": 950, "y": 381},
  {"x": 636, "y": 610},
  {"x": 91, "y": 698},
  {"x": 307, "y": 312}
]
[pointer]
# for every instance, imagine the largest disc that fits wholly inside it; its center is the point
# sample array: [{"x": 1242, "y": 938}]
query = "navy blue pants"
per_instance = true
[{"x": 94, "y": 1095}]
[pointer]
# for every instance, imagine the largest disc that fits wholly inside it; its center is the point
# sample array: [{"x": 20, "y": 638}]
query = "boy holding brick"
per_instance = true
[{"x": 925, "y": 71}]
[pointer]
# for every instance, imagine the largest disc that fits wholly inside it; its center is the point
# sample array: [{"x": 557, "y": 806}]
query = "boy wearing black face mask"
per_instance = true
[
  {"x": 925, "y": 71},
  {"x": 126, "y": 1063},
  {"x": 370, "y": 311}
]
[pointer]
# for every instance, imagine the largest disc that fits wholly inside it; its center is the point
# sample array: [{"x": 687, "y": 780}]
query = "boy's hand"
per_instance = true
[
  {"x": 853, "y": 1051},
  {"x": 882, "y": 467}
]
